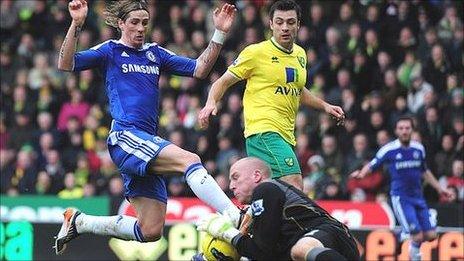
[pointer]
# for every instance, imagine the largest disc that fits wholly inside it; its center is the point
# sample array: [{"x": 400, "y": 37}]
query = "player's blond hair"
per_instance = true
[{"x": 120, "y": 9}]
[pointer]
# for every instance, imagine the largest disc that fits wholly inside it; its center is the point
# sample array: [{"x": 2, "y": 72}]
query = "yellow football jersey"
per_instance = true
[{"x": 275, "y": 79}]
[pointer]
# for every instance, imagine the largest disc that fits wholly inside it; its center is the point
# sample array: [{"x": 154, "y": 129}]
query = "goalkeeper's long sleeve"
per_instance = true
[{"x": 267, "y": 206}]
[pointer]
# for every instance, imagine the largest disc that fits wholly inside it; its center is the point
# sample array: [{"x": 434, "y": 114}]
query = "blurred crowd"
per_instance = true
[{"x": 378, "y": 60}]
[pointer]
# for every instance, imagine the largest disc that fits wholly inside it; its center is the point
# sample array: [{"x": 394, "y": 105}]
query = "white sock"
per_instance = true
[
  {"x": 414, "y": 251},
  {"x": 206, "y": 189},
  {"x": 123, "y": 227}
]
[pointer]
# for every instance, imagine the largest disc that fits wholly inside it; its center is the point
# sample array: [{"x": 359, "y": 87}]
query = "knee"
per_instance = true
[
  {"x": 190, "y": 158},
  {"x": 430, "y": 236},
  {"x": 151, "y": 232},
  {"x": 303, "y": 246},
  {"x": 418, "y": 238}
]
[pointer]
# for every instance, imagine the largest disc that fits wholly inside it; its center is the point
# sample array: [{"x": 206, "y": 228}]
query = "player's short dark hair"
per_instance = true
[
  {"x": 405, "y": 118},
  {"x": 285, "y": 5}
]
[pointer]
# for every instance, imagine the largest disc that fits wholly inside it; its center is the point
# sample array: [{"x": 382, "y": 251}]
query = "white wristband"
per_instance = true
[{"x": 218, "y": 36}]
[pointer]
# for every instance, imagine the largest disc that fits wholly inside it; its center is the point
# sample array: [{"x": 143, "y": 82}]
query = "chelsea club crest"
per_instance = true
[{"x": 151, "y": 56}]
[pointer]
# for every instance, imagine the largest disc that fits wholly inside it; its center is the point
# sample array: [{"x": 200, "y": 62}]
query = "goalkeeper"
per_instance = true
[{"x": 286, "y": 224}]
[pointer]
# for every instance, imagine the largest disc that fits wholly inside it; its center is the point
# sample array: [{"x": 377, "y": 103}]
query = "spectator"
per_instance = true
[
  {"x": 432, "y": 130},
  {"x": 6, "y": 65},
  {"x": 383, "y": 137},
  {"x": 354, "y": 39},
  {"x": 70, "y": 191},
  {"x": 445, "y": 156},
  {"x": 372, "y": 45},
  {"x": 314, "y": 65},
  {"x": 4, "y": 134},
  {"x": 315, "y": 181},
  {"x": 318, "y": 24},
  {"x": 417, "y": 93},
  {"x": 345, "y": 19},
  {"x": 45, "y": 124},
  {"x": 406, "y": 42},
  {"x": 43, "y": 186},
  {"x": 26, "y": 50},
  {"x": 425, "y": 44},
  {"x": 9, "y": 19},
  {"x": 89, "y": 190},
  {"x": 40, "y": 71},
  {"x": 303, "y": 152},
  {"x": 455, "y": 50},
  {"x": 226, "y": 151},
  {"x": 22, "y": 174},
  {"x": 436, "y": 69},
  {"x": 455, "y": 180},
  {"x": 448, "y": 24},
  {"x": 332, "y": 157},
  {"x": 75, "y": 107},
  {"x": 332, "y": 43},
  {"x": 359, "y": 154},
  {"x": 378, "y": 72},
  {"x": 456, "y": 104},
  {"x": 410, "y": 66},
  {"x": 334, "y": 94},
  {"x": 399, "y": 110},
  {"x": 361, "y": 72},
  {"x": 372, "y": 19},
  {"x": 23, "y": 133},
  {"x": 332, "y": 191},
  {"x": 391, "y": 90}
]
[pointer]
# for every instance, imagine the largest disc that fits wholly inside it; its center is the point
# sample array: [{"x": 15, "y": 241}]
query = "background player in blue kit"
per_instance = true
[
  {"x": 406, "y": 164},
  {"x": 131, "y": 69}
]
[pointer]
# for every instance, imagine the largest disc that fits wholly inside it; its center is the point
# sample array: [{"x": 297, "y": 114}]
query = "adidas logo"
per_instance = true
[{"x": 124, "y": 54}]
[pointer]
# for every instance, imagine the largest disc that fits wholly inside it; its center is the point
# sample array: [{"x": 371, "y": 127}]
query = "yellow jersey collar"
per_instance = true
[{"x": 280, "y": 47}]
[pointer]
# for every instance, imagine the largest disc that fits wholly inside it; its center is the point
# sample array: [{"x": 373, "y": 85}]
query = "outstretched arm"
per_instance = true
[
  {"x": 312, "y": 101},
  {"x": 430, "y": 178},
  {"x": 359, "y": 174},
  {"x": 223, "y": 20},
  {"x": 78, "y": 11},
  {"x": 218, "y": 89}
]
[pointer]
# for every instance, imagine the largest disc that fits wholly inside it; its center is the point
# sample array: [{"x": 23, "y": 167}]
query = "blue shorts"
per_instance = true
[
  {"x": 131, "y": 151},
  {"x": 412, "y": 214}
]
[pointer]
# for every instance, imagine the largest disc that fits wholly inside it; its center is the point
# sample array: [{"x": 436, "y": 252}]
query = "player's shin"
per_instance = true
[
  {"x": 414, "y": 251},
  {"x": 206, "y": 189},
  {"x": 123, "y": 227}
]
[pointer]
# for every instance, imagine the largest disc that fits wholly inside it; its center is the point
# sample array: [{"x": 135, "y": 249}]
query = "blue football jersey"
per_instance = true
[
  {"x": 406, "y": 166},
  {"x": 131, "y": 79}
]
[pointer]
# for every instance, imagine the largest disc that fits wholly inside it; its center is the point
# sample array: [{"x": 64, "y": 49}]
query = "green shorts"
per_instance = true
[{"x": 275, "y": 151}]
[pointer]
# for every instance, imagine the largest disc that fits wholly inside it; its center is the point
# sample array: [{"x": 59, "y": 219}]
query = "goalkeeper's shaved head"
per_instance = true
[
  {"x": 254, "y": 163},
  {"x": 245, "y": 175}
]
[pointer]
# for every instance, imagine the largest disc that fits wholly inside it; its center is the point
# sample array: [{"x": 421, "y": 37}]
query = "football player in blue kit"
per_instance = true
[
  {"x": 131, "y": 69},
  {"x": 407, "y": 165}
]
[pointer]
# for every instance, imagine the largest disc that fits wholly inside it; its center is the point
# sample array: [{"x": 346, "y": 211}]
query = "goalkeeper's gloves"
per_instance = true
[
  {"x": 218, "y": 226},
  {"x": 234, "y": 214}
]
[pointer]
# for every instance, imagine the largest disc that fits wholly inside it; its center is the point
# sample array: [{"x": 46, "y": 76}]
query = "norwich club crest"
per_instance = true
[
  {"x": 301, "y": 60},
  {"x": 289, "y": 162}
]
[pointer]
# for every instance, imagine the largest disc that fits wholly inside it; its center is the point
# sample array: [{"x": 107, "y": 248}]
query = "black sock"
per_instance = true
[{"x": 324, "y": 254}]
